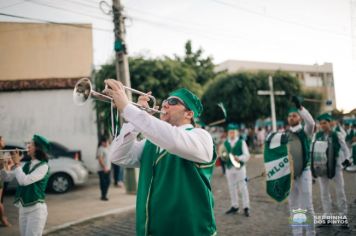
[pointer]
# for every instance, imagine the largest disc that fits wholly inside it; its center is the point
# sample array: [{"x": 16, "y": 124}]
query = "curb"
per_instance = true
[{"x": 71, "y": 223}]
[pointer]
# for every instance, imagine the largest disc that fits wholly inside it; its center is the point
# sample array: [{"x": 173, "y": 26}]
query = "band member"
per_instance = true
[
  {"x": 336, "y": 127},
  {"x": 32, "y": 179},
  {"x": 299, "y": 137},
  {"x": 236, "y": 175},
  {"x": 333, "y": 141},
  {"x": 176, "y": 164}
]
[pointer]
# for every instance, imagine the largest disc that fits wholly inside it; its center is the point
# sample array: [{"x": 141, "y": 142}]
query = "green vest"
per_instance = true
[
  {"x": 305, "y": 141},
  {"x": 236, "y": 150},
  {"x": 31, "y": 194},
  {"x": 336, "y": 148},
  {"x": 174, "y": 195}
]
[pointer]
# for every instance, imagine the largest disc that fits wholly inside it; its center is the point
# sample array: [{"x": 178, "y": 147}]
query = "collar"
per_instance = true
[
  {"x": 232, "y": 140},
  {"x": 34, "y": 162},
  {"x": 186, "y": 126},
  {"x": 296, "y": 128}
]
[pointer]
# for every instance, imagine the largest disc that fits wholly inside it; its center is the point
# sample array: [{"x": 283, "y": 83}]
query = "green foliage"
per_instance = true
[
  {"x": 158, "y": 75},
  {"x": 161, "y": 76},
  {"x": 238, "y": 92},
  {"x": 203, "y": 68}
]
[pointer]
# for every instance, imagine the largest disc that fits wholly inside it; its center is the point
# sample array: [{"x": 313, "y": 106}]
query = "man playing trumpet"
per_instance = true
[
  {"x": 176, "y": 163},
  {"x": 235, "y": 154}
]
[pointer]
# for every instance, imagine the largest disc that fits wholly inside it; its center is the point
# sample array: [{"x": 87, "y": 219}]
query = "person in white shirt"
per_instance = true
[
  {"x": 32, "y": 180},
  {"x": 301, "y": 128},
  {"x": 104, "y": 168},
  {"x": 176, "y": 163},
  {"x": 334, "y": 142},
  {"x": 236, "y": 175}
]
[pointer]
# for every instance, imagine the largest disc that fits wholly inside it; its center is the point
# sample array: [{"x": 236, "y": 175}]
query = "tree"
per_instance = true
[
  {"x": 158, "y": 75},
  {"x": 203, "y": 67},
  {"x": 238, "y": 92},
  {"x": 161, "y": 76}
]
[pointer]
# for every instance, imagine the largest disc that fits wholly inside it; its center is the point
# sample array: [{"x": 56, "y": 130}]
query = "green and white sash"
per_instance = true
[{"x": 278, "y": 166}]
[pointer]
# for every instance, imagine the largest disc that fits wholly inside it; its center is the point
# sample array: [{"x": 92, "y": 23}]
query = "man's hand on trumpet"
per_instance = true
[
  {"x": 143, "y": 101},
  {"x": 117, "y": 92}
]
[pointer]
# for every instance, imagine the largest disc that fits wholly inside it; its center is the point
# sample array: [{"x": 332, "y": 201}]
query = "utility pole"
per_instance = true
[
  {"x": 271, "y": 93},
  {"x": 123, "y": 75}
]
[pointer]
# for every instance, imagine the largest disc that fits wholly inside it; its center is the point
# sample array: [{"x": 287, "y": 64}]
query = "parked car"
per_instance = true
[
  {"x": 59, "y": 150},
  {"x": 64, "y": 172}
]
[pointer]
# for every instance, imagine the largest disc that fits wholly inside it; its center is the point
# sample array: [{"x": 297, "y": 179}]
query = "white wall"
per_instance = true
[{"x": 52, "y": 114}]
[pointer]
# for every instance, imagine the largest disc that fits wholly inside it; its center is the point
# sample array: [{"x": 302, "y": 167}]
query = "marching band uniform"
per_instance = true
[
  {"x": 236, "y": 178},
  {"x": 176, "y": 164},
  {"x": 338, "y": 144},
  {"x": 301, "y": 191},
  {"x": 30, "y": 194},
  {"x": 341, "y": 133}
]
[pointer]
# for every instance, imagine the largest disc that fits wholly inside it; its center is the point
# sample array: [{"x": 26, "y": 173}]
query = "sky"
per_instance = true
[{"x": 281, "y": 31}]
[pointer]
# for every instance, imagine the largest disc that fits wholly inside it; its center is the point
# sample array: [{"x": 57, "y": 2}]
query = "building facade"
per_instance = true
[
  {"x": 40, "y": 64},
  {"x": 318, "y": 78}
]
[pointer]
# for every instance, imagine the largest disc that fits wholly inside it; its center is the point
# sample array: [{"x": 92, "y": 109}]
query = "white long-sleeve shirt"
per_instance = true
[
  {"x": 23, "y": 179},
  {"x": 245, "y": 156},
  {"x": 194, "y": 145}
]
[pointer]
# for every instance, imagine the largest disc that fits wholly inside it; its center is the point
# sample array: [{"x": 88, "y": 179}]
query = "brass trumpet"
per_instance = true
[
  {"x": 83, "y": 90},
  {"x": 13, "y": 150},
  {"x": 10, "y": 150},
  {"x": 225, "y": 156}
]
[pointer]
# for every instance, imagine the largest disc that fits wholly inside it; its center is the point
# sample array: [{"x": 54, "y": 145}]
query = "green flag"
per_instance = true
[{"x": 277, "y": 165}]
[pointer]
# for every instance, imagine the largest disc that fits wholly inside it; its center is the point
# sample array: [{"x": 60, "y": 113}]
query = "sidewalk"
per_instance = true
[{"x": 78, "y": 205}]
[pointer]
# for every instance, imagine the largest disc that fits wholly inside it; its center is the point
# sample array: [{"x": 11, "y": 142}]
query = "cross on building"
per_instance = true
[{"x": 271, "y": 93}]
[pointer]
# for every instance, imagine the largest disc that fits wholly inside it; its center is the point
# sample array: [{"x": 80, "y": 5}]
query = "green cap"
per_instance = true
[
  {"x": 232, "y": 126},
  {"x": 41, "y": 142},
  {"x": 292, "y": 110},
  {"x": 325, "y": 116},
  {"x": 190, "y": 100}
]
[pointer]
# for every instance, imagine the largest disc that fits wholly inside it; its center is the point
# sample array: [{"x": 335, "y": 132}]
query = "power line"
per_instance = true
[
  {"x": 67, "y": 10},
  {"x": 53, "y": 22},
  {"x": 84, "y": 4},
  {"x": 197, "y": 31},
  {"x": 279, "y": 19}
]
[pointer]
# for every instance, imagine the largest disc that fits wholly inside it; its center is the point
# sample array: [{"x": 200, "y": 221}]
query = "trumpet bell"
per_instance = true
[
  {"x": 82, "y": 91},
  {"x": 235, "y": 163}
]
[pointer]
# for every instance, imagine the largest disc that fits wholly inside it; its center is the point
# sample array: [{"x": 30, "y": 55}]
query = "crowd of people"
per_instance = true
[{"x": 176, "y": 161}]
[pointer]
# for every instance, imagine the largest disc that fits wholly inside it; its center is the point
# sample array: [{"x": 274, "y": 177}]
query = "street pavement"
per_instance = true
[
  {"x": 80, "y": 204},
  {"x": 267, "y": 216}
]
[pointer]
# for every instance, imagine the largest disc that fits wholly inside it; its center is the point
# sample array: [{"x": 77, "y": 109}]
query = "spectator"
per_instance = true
[{"x": 104, "y": 167}]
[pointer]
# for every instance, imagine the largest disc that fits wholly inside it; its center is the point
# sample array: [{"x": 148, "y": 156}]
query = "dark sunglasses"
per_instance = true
[{"x": 174, "y": 101}]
